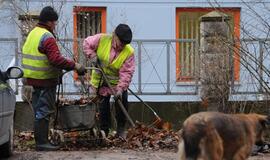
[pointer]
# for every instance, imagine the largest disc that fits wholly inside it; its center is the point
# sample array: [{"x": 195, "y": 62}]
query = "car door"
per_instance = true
[{"x": 7, "y": 107}]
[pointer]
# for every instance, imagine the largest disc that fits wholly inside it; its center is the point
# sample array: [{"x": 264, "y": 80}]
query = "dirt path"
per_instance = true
[
  {"x": 97, "y": 155},
  {"x": 114, "y": 154}
]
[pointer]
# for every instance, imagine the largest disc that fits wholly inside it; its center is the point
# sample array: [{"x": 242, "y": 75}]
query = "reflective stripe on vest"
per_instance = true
[
  {"x": 35, "y": 64},
  {"x": 111, "y": 70}
]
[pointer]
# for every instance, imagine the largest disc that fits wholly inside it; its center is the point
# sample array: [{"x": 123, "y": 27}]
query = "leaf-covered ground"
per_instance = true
[
  {"x": 140, "y": 137},
  {"x": 142, "y": 143}
]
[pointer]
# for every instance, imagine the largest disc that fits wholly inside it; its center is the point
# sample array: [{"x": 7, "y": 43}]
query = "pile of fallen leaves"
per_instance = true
[
  {"x": 83, "y": 100},
  {"x": 24, "y": 141},
  {"x": 140, "y": 137},
  {"x": 144, "y": 137},
  {"x": 67, "y": 102}
]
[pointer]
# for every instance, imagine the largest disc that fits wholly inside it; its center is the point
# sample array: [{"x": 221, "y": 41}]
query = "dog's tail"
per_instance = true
[
  {"x": 181, "y": 150},
  {"x": 191, "y": 141},
  {"x": 204, "y": 143},
  {"x": 188, "y": 148},
  {"x": 182, "y": 153}
]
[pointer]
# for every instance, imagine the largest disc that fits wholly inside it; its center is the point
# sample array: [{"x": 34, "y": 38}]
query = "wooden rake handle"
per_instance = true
[{"x": 114, "y": 94}]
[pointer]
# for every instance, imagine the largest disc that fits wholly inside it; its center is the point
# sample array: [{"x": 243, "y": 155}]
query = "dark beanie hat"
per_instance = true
[
  {"x": 124, "y": 33},
  {"x": 48, "y": 14}
]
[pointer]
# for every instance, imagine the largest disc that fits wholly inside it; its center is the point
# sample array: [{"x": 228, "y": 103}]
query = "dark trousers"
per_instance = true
[
  {"x": 105, "y": 113},
  {"x": 43, "y": 102}
]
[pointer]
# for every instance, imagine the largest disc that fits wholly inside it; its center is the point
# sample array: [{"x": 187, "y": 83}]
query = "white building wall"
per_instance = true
[{"x": 151, "y": 19}]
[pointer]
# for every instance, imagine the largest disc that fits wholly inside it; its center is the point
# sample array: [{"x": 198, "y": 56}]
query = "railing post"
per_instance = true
[
  {"x": 16, "y": 63},
  {"x": 139, "y": 67},
  {"x": 261, "y": 65},
  {"x": 231, "y": 65},
  {"x": 197, "y": 66},
  {"x": 168, "y": 68}
]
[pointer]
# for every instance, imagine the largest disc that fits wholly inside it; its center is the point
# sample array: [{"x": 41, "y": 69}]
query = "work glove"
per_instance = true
[
  {"x": 80, "y": 69},
  {"x": 118, "y": 95}
]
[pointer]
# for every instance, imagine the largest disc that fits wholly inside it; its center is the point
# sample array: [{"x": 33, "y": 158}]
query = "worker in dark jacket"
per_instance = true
[{"x": 43, "y": 63}]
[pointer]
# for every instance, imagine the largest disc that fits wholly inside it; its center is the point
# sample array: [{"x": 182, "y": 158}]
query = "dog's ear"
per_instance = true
[
  {"x": 265, "y": 121},
  {"x": 268, "y": 120}
]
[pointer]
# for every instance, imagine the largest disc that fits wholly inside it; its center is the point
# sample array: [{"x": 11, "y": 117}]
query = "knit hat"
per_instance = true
[
  {"x": 124, "y": 33},
  {"x": 48, "y": 14}
]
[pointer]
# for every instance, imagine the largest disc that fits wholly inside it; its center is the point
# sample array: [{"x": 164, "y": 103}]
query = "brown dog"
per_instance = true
[{"x": 218, "y": 136}]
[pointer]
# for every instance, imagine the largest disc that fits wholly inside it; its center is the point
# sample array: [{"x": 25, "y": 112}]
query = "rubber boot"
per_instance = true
[{"x": 41, "y": 136}]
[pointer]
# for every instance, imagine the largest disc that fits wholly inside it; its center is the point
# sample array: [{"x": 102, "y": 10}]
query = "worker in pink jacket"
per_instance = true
[{"x": 116, "y": 56}]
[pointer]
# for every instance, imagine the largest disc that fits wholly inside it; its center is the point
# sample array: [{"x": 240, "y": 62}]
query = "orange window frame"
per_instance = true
[
  {"x": 76, "y": 10},
  {"x": 236, "y": 19}
]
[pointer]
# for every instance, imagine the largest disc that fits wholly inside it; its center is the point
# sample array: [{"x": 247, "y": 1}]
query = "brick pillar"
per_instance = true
[{"x": 214, "y": 61}]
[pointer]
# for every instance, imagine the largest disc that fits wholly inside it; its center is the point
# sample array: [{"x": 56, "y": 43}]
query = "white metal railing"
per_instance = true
[{"x": 156, "y": 66}]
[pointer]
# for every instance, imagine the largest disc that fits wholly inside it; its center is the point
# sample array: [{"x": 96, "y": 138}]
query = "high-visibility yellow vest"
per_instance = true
[
  {"x": 111, "y": 70},
  {"x": 35, "y": 64}
]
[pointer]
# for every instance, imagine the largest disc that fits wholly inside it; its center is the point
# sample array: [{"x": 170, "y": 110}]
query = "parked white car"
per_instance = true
[{"x": 7, "y": 108}]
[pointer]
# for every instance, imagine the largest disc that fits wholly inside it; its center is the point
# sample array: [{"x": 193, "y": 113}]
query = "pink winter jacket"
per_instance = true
[{"x": 90, "y": 46}]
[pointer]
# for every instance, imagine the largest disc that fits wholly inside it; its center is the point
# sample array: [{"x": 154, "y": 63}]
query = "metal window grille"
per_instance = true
[
  {"x": 189, "y": 28},
  {"x": 88, "y": 23}
]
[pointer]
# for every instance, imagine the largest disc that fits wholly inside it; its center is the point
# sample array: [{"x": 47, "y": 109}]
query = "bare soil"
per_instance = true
[
  {"x": 108, "y": 154},
  {"x": 113, "y": 154}
]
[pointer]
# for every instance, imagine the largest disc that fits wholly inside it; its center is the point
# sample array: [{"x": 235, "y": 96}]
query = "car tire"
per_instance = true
[{"x": 6, "y": 149}]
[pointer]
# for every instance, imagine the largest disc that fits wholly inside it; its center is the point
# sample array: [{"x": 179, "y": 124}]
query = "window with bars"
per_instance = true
[
  {"x": 87, "y": 21},
  {"x": 188, "y": 27}
]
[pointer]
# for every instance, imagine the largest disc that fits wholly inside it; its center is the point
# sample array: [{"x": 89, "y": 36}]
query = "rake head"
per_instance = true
[{"x": 161, "y": 124}]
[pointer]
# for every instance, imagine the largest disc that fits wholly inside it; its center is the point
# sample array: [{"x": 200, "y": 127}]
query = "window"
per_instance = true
[
  {"x": 87, "y": 21},
  {"x": 188, "y": 27}
]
